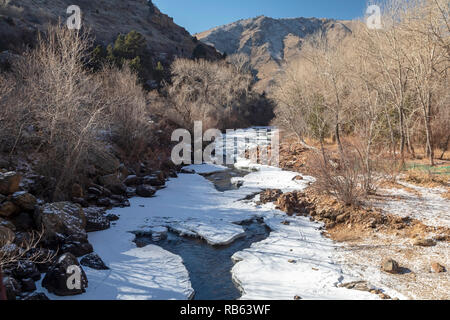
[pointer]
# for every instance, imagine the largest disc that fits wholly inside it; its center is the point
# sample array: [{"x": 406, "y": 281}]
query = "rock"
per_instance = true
[
  {"x": 297, "y": 298},
  {"x": 133, "y": 180},
  {"x": 356, "y": 285},
  {"x": 77, "y": 246},
  {"x": 298, "y": 178},
  {"x": 95, "y": 191},
  {"x": 390, "y": 266},
  {"x": 105, "y": 163},
  {"x": 64, "y": 218},
  {"x": 104, "y": 202},
  {"x": 437, "y": 268},
  {"x": 93, "y": 261},
  {"x": 112, "y": 217},
  {"x": 131, "y": 192},
  {"x": 26, "y": 270},
  {"x": 424, "y": 242},
  {"x": 24, "y": 200},
  {"x": 77, "y": 191},
  {"x": 24, "y": 222},
  {"x": 291, "y": 203},
  {"x": 154, "y": 180},
  {"x": 7, "y": 236},
  {"x": 342, "y": 217},
  {"x": 28, "y": 285},
  {"x": 82, "y": 202},
  {"x": 7, "y": 224},
  {"x": 95, "y": 219},
  {"x": 145, "y": 191},
  {"x": 60, "y": 275},
  {"x": 37, "y": 296},
  {"x": 8, "y": 209},
  {"x": 270, "y": 195},
  {"x": 9, "y": 182},
  {"x": 12, "y": 287},
  {"x": 113, "y": 183}
]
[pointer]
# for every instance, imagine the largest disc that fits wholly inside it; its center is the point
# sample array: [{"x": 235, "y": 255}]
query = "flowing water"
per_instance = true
[{"x": 209, "y": 266}]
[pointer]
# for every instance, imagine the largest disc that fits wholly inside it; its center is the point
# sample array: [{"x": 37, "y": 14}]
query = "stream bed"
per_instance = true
[{"x": 209, "y": 266}]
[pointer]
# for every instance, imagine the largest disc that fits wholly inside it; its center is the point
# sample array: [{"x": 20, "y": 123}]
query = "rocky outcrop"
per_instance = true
[
  {"x": 269, "y": 42},
  {"x": 64, "y": 272},
  {"x": 20, "y": 21}
]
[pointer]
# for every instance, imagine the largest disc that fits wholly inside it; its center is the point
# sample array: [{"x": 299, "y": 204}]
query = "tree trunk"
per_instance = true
[
  {"x": 338, "y": 139},
  {"x": 402, "y": 135},
  {"x": 427, "y": 119},
  {"x": 445, "y": 147}
]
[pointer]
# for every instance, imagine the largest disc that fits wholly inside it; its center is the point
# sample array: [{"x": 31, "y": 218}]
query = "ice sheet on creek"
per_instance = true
[{"x": 191, "y": 202}]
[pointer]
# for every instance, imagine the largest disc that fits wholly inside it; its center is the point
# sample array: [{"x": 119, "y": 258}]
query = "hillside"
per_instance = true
[
  {"x": 270, "y": 42},
  {"x": 21, "y": 19}
]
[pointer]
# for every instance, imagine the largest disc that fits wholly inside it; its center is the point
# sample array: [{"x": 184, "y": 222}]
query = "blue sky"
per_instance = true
[{"x": 201, "y": 15}]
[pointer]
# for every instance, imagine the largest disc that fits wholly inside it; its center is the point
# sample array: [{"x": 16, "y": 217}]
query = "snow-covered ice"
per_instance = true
[{"x": 191, "y": 205}]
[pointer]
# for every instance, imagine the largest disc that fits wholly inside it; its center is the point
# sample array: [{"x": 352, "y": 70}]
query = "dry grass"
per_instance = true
[{"x": 427, "y": 179}]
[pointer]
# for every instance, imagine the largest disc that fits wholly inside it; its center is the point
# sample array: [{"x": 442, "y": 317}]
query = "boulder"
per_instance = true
[
  {"x": 77, "y": 244},
  {"x": 26, "y": 270},
  {"x": 112, "y": 217},
  {"x": 154, "y": 180},
  {"x": 64, "y": 218},
  {"x": 7, "y": 236},
  {"x": 8, "y": 209},
  {"x": 424, "y": 242},
  {"x": 96, "y": 220},
  {"x": 24, "y": 200},
  {"x": 105, "y": 163},
  {"x": 12, "y": 287},
  {"x": 437, "y": 268},
  {"x": 24, "y": 221},
  {"x": 291, "y": 203},
  {"x": 63, "y": 279},
  {"x": 7, "y": 224},
  {"x": 93, "y": 261},
  {"x": 145, "y": 191},
  {"x": 9, "y": 182},
  {"x": 113, "y": 183},
  {"x": 390, "y": 266},
  {"x": 133, "y": 180},
  {"x": 28, "y": 285},
  {"x": 39, "y": 296},
  {"x": 270, "y": 195}
]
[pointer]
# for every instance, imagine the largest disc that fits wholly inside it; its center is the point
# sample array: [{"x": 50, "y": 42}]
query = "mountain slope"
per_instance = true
[
  {"x": 270, "y": 42},
  {"x": 21, "y": 19}
]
